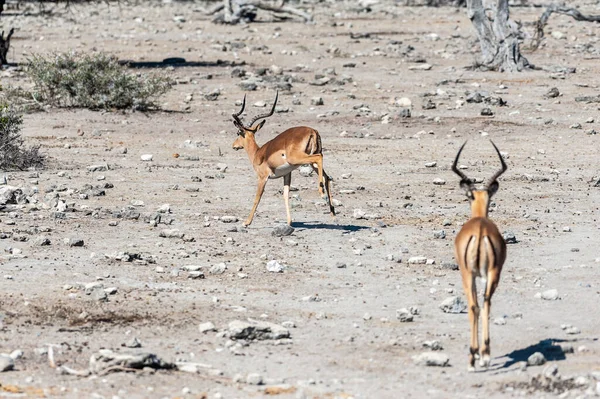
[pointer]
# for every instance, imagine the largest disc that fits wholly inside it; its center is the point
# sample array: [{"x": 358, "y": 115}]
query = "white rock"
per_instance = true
[
  {"x": 404, "y": 102},
  {"x": 275, "y": 267},
  {"x": 6, "y": 363},
  {"x": 550, "y": 295},
  {"x": 146, "y": 157},
  {"x": 206, "y": 327},
  {"x": 417, "y": 260},
  {"x": 453, "y": 304},
  {"x": 435, "y": 359}
]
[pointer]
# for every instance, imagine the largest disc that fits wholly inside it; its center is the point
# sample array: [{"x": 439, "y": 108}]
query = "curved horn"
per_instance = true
[
  {"x": 266, "y": 115},
  {"x": 502, "y": 170},
  {"x": 237, "y": 116},
  {"x": 454, "y": 168}
]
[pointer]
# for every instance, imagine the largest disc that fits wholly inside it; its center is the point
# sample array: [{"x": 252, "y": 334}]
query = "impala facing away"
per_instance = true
[
  {"x": 480, "y": 252},
  {"x": 279, "y": 157}
]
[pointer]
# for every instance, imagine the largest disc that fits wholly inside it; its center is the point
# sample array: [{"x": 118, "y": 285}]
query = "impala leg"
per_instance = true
[
  {"x": 287, "y": 181},
  {"x": 328, "y": 188},
  {"x": 316, "y": 161},
  {"x": 471, "y": 293},
  {"x": 492, "y": 283},
  {"x": 259, "y": 192}
]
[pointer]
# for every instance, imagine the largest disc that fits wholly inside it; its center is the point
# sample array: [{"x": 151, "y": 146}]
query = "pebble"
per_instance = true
[
  {"x": 537, "y": 359},
  {"x": 509, "y": 237},
  {"x": 146, "y": 157},
  {"x": 567, "y": 229},
  {"x": 171, "y": 233},
  {"x": 550, "y": 295},
  {"x": 552, "y": 93},
  {"x": 439, "y": 182},
  {"x": 317, "y": 101},
  {"x": 75, "y": 242},
  {"x": 228, "y": 219},
  {"x": 6, "y": 363},
  {"x": 487, "y": 112},
  {"x": 440, "y": 235},
  {"x": 206, "y": 327},
  {"x": 431, "y": 164},
  {"x": 453, "y": 304},
  {"x": 433, "y": 345},
  {"x": 404, "y": 315},
  {"x": 432, "y": 359},
  {"x": 275, "y": 267},
  {"x": 219, "y": 268},
  {"x": 282, "y": 230},
  {"x": 417, "y": 260},
  {"x": 500, "y": 321},
  {"x": 133, "y": 343},
  {"x": 404, "y": 102},
  {"x": 254, "y": 379},
  {"x": 359, "y": 214}
]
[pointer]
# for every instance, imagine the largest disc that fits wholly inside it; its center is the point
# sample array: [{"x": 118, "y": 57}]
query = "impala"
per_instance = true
[
  {"x": 480, "y": 252},
  {"x": 281, "y": 156}
]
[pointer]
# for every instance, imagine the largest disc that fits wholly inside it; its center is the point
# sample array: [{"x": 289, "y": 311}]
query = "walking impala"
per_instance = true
[
  {"x": 480, "y": 252},
  {"x": 279, "y": 157}
]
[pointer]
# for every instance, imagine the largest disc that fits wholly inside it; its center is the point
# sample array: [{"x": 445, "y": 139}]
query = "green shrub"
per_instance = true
[
  {"x": 13, "y": 153},
  {"x": 95, "y": 81}
]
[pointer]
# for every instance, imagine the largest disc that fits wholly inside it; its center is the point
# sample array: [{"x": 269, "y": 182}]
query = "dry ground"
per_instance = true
[{"x": 335, "y": 351}]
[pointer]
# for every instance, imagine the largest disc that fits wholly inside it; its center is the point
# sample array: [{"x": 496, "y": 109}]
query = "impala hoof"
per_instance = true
[
  {"x": 485, "y": 361},
  {"x": 471, "y": 369}
]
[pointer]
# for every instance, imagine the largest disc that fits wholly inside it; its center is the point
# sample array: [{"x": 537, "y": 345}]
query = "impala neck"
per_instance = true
[
  {"x": 251, "y": 147},
  {"x": 480, "y": 203}
]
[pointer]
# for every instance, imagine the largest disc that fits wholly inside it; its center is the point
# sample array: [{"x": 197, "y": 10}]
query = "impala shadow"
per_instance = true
[
  {"x": 327, "y": 226},
  {"x": 178, "y": 63},
  {"x": 551, "y": 348}
]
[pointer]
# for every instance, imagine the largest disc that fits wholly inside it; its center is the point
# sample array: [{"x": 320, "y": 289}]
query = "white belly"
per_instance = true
[{"x": 282, "y": 170}]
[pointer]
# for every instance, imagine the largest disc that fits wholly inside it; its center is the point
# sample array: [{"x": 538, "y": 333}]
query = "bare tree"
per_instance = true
[{"x": 498, "y": 35}]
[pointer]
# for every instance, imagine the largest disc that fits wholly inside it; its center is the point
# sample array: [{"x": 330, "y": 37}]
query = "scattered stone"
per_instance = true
[
  {"x": 404, "y": 113},
  {"x": 551, "y": 371},
  {"x": 431, "y": 164},
  {"x": 433, "y": 345},
  {"x": 146, "y": 157},
  {"x": 229, "y": 219},
  {"x": 6, "y": 363},
  {"x": 487, "y": 112},
  {"x": 317, "y": 101},
  {"x": 440, "y": 235},
  {"x": 260, "y": 330},
  {"x": 449, "y": 266},
  {"x": 550, "y": 295},
  {"x": 219, "y": 268},
  {"x": 359, "y": 214},
  {"x": 254, "y": 379},
  {"x": 420, "y": 67},
  {"x": 500, "y": 321},
  {"x": 98, "y": 168},
  {"x": 567, "y": 229},
  {"x": 429, "y": 105},
  {"x": 404, "y": 102},
  {"x": 417, "y": 260},
  {"x": 439, "y": 182},
  {"x": 404, "y": 315},
  {"x": 432, "y": 359},
  {"x": 171, "y": 233},
  {"x": 133, "y": 343},
  {"x": 552, "y": 93},
  {"x": 75, "y": 242},
  {"x": 42, "y": 241},
  {"x": 275, "y": 267},
  {"x": 221, "y": 167},
  {"x": 572, "y": 330},
  {"x": 282, "y": 230},
  {"x": 509, "y": 237},
  {"x": 537, "y": 359},
  {"x": 207, "y": 327},
  {"x": 453, "y": 304},
  {"x": 340, "y": 265}
]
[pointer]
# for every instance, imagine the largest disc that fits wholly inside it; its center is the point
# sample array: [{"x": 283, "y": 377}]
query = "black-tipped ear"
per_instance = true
[
  {"x": 493, "y": 187},
  {"x": 260, "y": 125}
]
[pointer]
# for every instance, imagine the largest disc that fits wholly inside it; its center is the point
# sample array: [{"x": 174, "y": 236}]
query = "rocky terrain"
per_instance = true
[{"x": 126, "y": 271}]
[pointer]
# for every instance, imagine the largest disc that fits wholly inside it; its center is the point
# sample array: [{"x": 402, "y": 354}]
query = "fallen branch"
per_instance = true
[
  {"x": 541, "y": 23},
  {"x": 234, "y": 12}
]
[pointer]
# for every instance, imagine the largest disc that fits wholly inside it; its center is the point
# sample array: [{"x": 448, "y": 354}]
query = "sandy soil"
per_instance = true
[{"x": 347, "y": 341}]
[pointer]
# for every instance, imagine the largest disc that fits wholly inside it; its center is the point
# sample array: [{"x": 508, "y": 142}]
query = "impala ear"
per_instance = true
[{"x": 260, "y": 125}]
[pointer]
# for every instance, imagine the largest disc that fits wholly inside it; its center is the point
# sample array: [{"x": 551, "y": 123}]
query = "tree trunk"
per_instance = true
[
  {"x": 5, "y": 46},
  {"x": 498, "y": 37}
]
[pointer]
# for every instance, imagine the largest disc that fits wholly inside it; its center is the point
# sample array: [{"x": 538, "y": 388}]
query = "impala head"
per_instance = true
[
  {"x": 479, "y": 196},
  {"x": 247, "y": 132}
]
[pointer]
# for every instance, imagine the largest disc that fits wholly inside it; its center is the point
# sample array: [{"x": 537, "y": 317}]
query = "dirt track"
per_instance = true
[{"x": 336, "y": 350}]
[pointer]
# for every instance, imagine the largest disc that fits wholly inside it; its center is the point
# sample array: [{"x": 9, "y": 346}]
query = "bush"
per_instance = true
[
  {"x": 94, "y": 81},
  {"x": 13, "y": 154}
]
